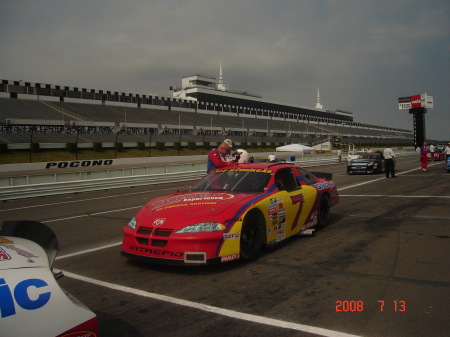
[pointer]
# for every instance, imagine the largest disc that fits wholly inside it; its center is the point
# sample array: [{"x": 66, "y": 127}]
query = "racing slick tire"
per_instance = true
[
  {"x": 252, "y": 236},
  {"x": 323, "y": 217}
]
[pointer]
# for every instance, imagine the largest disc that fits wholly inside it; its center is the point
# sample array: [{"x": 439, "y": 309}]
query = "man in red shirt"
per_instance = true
[
  {"x": 217, "y": 157},
  {"x": 423, "y": 157}
]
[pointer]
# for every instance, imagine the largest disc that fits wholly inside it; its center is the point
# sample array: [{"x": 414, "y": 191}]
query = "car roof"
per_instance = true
[{"x": 272, "y": 166}]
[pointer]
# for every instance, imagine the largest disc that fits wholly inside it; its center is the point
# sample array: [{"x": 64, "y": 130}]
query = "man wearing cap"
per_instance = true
[{"x": 217, "y": 157}]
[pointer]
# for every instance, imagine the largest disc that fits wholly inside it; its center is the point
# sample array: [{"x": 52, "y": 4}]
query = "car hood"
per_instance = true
[
  {"x": 363, "y": 161},
  {"x": 179, "y": 209}
]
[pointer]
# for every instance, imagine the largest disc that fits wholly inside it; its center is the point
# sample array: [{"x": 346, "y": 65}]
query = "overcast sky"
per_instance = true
[{"x": 362, "y": 54}]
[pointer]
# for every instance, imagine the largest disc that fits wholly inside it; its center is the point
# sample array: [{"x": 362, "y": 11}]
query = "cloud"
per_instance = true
[{"x": 362, "y": 54}]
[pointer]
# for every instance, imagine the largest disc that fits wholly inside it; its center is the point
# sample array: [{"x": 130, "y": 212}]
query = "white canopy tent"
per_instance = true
[{"x": 295, "y": 148}]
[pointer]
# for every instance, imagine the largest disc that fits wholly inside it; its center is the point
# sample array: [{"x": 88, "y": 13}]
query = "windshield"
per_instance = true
[
  {"x": 369, "y": 156},
  {"x": 233, "y": 181}
]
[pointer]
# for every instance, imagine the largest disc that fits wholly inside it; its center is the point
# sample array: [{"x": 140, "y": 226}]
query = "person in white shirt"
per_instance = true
[
  {"x": 389, "y": 164},
  {"x": 447, "y": 152},
  {"x": 432, "y": 149}
]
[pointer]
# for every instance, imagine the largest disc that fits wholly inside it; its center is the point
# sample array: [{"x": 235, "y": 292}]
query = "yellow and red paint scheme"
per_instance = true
[{"x": 283, "y": 212}]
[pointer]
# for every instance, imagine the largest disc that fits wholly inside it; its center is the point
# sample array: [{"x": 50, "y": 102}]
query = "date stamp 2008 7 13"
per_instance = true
[{"x": 354, "y": 306}]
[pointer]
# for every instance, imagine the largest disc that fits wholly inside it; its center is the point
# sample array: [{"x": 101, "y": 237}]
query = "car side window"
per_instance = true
[
  {"x": 308, "y": 178},
  {"x": 286, "y": 180}
]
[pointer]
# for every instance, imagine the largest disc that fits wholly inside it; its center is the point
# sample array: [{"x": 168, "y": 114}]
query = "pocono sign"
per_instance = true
[{"x": 416, "y": 101}]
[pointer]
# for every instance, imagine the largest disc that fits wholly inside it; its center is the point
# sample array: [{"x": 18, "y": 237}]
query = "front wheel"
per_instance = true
[
  {"x": 324, "y": 216},
  {"x": 252, "y": 236}
]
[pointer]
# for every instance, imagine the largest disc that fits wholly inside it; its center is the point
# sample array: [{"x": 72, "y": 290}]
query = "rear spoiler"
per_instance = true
[
  {"x": 33, "y": 231},
  {"x": 324, "y": 175}
]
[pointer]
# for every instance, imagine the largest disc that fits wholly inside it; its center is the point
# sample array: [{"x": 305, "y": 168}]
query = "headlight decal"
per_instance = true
[
  {"x": 202, "y": 227},
  {"x": 132, "y": 223}
]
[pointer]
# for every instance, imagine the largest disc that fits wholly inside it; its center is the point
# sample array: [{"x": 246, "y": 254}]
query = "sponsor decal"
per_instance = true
[
  {"x": 231, "y": 236},
  {"x": 159, "y": 252},
  {"x": 4, "y": 256},
  {"x": 199, "y": 197},
  {"x": 203, "y": 197},
  {"x": 76, "y": 163},
  {"x": 5, "y": 241},
  {"x": 243, "y": 170},
  {"x": 312, "y": 221},
  {"x": 20, "y": 296},
  {"x": 20, "y": 251},
  {"x": 280, "y": 235},
  {"x": 327, "y": 184},
  {"x": 227, "y": 258},
  {"x": 159, "y": 222},
  {"x": 279, "y": 227}
]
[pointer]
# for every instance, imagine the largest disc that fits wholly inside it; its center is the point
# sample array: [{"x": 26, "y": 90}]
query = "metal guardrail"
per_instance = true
[
  {"x": 77, "y": 186},
  {"x": 88, "y": 181}
]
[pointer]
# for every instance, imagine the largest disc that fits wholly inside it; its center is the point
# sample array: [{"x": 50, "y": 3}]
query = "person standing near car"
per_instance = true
[
  {"x": 423, "y": 157},
  {"x": 217, "y": 157},
  {"x": 432, "y": 149},
  {"x": 447, "y": 152},
  {"x": 389, "y": 164}
]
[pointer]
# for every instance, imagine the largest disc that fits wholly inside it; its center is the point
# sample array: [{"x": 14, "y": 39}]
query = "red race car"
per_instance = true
[
  {"x": 231, "y": 214},
  {"x": 437, "y": 155}
]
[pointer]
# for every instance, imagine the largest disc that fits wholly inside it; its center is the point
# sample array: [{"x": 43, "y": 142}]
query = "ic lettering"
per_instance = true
[
  {"x": 22, "y": 297},
  {"x": 7, "y": 303}
]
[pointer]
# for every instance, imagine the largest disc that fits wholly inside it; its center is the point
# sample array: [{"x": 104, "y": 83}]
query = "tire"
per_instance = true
[
  {"x": 323, "y": 217},
  {"x": 252, "y": 236}
]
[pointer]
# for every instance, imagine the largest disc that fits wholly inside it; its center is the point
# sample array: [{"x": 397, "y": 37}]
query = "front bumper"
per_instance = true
[
  {"x": 175, "y": 249},
  {"x": 170, "y": 262}
]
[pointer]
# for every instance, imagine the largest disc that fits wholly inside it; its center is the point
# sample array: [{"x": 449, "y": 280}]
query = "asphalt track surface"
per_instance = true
[{"x": 381, "y": 268}]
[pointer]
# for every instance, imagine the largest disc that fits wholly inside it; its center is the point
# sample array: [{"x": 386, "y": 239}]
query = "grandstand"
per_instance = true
[{"x": 56, "y": 115}]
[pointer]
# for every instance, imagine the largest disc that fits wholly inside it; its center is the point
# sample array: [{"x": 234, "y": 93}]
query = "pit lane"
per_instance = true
[{"x": 382, "y": 262}]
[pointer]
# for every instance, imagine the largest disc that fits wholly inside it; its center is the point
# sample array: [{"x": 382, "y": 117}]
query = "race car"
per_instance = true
[
  {"x": 437, "y": 155},
  {"x": 231, "y": 214},
  {"x": 31, "y": 301},
  {"x": 354, "y": 155},
  {"x": 370, "y": 162}
]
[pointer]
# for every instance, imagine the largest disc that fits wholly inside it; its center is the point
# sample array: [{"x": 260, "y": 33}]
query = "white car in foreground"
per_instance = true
[{"x": 31, "y": 301}]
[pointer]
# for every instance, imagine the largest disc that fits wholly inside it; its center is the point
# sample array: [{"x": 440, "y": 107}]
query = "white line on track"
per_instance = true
[
  {"x": 373, "y": 180},
  {"x": 212, "y": 309},
  {"x": 89, "y": 199},
  {"x": 92, "y": 214},
  {"x": 89, "y": 250},
  {"x": 394, "y": 196}
]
